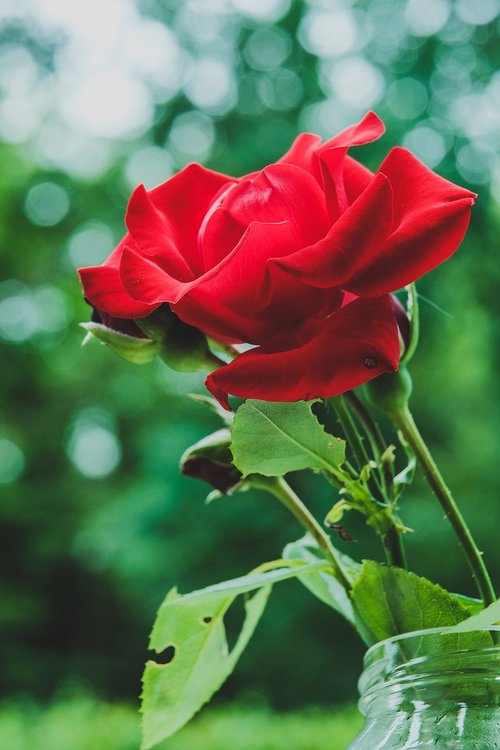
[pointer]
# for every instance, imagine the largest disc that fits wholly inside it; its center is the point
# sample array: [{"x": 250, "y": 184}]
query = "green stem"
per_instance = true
[
  {"x": 350, "y": 431},
  {"x": 412, "y": 307},
  {"x": 404, "y": 421},
  {"x": 375, "y": 437},
  {"x": 396, "y": 550},
  {"x": 391, "y": 538},
  {"x": 284, "y": 493}
]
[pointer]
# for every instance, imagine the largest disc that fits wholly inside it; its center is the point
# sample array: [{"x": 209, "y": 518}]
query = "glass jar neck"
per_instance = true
[{"x": 432, "y": 671}]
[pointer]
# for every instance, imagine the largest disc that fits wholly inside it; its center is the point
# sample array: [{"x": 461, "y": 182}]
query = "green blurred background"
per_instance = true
[{"x": 96, "y": 523}]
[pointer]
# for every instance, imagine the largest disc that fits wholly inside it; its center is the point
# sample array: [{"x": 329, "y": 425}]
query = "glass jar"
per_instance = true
[{"x": 432, "y": 689}]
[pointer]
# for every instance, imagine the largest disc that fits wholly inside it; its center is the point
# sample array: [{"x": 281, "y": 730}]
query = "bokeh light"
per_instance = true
[
  {"x": 46, "y": 204},
  {"x": 11, "y": 461},
  {"x": 92, "y": 444},
  {"x": 98, "y": 97}
]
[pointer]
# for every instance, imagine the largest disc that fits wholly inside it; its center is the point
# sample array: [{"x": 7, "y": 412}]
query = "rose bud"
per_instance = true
[{"x": 210, "y": 460}]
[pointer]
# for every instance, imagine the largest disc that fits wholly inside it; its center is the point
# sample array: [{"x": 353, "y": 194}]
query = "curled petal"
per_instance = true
[
  {"x": 356, "y": 178},
  {"x": 304, "y": 154},
  {"x": 281, "y": 192},
  {"x": 154, "y": 235},
  {"x": 354, "y": 345},
  {"x": 333, "y": 153},
  {"x": 232, "y": 292},
  {"x": 430, "y": 218},
  {"x": 146, "y": 281},
  {"x": 369, "y": 129},
  {"x": 360, "y": 232},
  {"x": 104, "y": 290},
  {"x": 186, "y": 198},
  {"x": 230, "y": 299}
]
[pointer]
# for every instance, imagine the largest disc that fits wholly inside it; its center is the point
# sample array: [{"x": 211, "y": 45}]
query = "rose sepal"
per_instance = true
[
  {"x": 390, "y": 392},
  {"x": 138, "y": 351},
  {"x": 181, "y": 346}
]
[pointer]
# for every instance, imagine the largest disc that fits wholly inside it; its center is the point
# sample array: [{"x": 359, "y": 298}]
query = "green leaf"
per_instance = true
[
  {"x": 193, "y": 625},
  {"x": 475, "y": 605},
  {"x": 484, "y": 619},
  {"x": 275, "y": 438},
  {"x": 389, "y": 601},
  {"x": 321, "y": 583},
  {"x": 139, "y": 351}
]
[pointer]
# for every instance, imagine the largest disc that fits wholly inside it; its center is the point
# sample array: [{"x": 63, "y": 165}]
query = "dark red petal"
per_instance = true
[
  {"x": 281, "y": 192},
  {"x": 359, "y": 233},
  {"x": 186, "y": 199},
  {"x": 431, "y": 216},
  {"x": 332, "y": 155},
  {"x": 215, "y": 319},
  {"x": 154, "y": 235},
  {"x": 289, "y": 301},
  {"x": 354, "y": 345},
  {"x": 103, "y": 288}
]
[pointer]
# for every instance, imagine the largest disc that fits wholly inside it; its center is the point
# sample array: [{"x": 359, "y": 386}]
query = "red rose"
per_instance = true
[{"x": 298, "y": 260}]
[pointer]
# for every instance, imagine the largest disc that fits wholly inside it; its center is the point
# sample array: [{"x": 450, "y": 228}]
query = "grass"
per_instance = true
[{"x": 84, "y": 723}]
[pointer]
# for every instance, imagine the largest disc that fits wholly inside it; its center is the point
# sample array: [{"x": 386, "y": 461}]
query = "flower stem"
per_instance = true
[
  {"x": 284, "y": 493},
  {"x": 413, "y": 313},
  {"x": 375, "y": 437},
  {"x": 353, "y": 438},
  {"x": 404, "y": 421},
  {"x": 390, "y": 534}
]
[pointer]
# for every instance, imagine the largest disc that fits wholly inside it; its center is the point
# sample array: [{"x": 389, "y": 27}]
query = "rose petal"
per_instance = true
[
  {"x": 154, "y": 235},
  {"x": 219, "y": 235},
  {"x": 146, "y": 281},
  {"x": 304, "y": 154},
  {"x": 104, "y": 289},
  {"x": 332, "y": 156},
  {"x": 356, "y": 178},
  {"x": 233, "y": 296},
  {"x": 281, "y": 192},
  {"x": 233, "y": 291},
  {"x": 359, "y": 233},
  {"x": 186, "y": 199},
  {"x": 431, "y": 216},
  {"x": 367, "y": 130},
  {"x": 356, "y": 344}
]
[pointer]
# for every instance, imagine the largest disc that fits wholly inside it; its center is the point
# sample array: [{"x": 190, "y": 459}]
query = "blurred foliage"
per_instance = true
[
  {"x": 80, "y": 723},
  {"x": 96, "y": 523}
]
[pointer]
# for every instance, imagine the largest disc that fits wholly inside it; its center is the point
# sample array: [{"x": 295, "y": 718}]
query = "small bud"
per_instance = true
[
  {"x": 211, "y": 461},
  {"x": 391, "y": 391},
  {"x": 336, "y": 513}
]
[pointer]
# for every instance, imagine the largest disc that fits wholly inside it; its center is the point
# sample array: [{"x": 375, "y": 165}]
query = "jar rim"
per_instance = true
[
  {"x": 394, "y": 639},
  {"x": 432, "y": 653}
]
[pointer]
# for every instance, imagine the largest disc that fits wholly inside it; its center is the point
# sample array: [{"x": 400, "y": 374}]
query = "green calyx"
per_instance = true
[
  {"x": 390, "y": 392},
  {"x": 181, "y": 346},
  {"x": 138, "y": 351}
]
